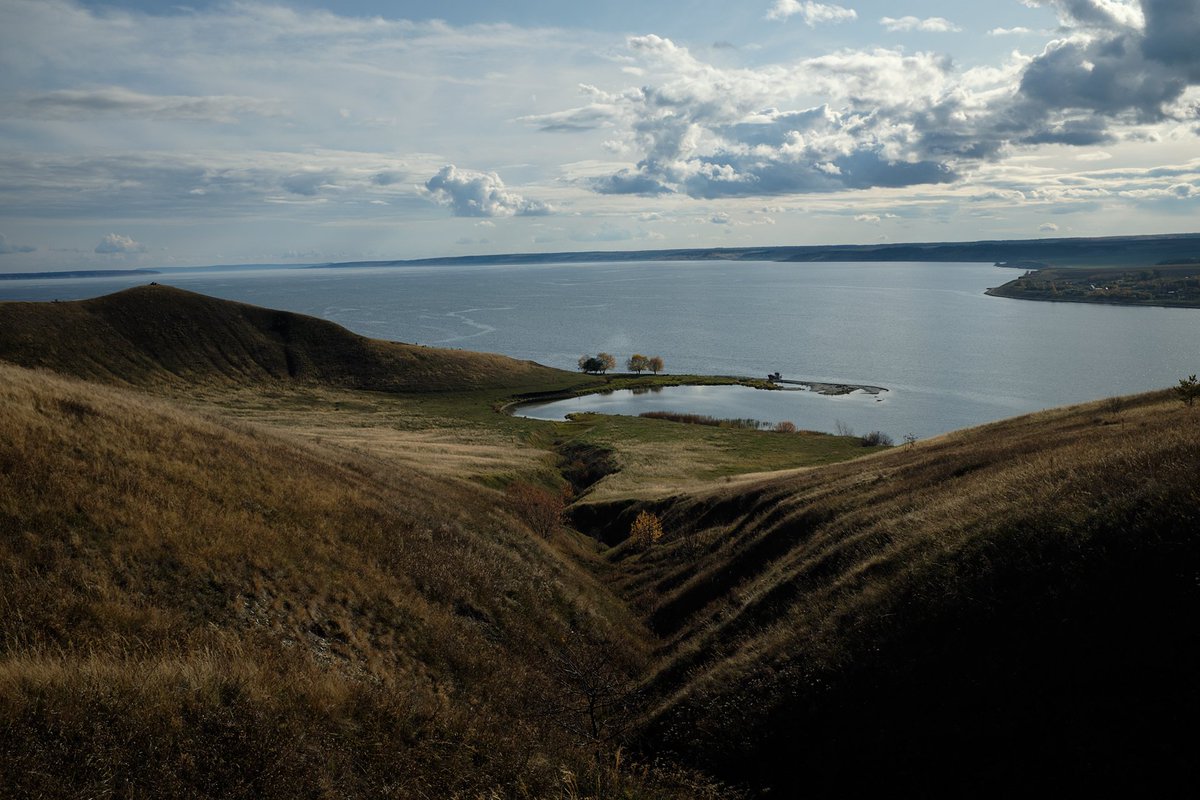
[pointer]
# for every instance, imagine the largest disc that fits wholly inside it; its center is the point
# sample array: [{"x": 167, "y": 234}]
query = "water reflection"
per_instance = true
[{"x": 751, "y": 407}]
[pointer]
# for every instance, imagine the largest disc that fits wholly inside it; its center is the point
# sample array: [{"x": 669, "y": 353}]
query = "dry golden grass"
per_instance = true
[
  {"x": 935, "y": 602},
  {"x": 194, "y": 608}
]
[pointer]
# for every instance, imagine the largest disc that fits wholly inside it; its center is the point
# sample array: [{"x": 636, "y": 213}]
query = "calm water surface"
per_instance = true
[{"x": 950, "y": 356}]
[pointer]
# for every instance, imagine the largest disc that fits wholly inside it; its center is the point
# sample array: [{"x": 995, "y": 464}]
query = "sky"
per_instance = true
[{"x": 137, "y": 133}]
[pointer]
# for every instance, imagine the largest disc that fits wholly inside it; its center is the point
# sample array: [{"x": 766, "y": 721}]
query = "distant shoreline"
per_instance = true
[
  {"x": 1108, "y": 251},
  {"x": 77, "y": 273}
]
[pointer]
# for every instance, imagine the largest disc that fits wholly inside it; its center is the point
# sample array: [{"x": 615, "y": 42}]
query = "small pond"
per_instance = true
[{"x": 810, "y": 411}]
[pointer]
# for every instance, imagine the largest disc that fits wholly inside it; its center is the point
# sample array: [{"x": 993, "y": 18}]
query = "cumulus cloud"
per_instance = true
[
  {"x": 479, "y": 194},
  {"x": 1121, "y": 63},
  {"x": 8, "y": 248},
  {"x": 811, "y": 13},
  {"x": 116, "y": 244},
  {"x": 929, "y": 25},
  {"x": 891, "y": 118},
  {"x": 709, "y": 132},
  {"x": 1048, "y": 227},
  {"x": 1017, "y": 31}
]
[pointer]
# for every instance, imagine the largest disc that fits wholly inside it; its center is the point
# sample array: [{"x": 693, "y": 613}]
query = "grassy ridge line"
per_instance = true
[
  {"x": 190, "y": 608},
  {"x": 977, "y": 610},
  {"x": 161, "y": 336}
]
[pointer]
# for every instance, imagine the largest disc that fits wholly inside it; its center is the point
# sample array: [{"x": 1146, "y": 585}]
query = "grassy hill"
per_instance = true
[
  {"x": 193, "y": 608},
  {"x": 1009, "y": 606},
  {"x": 165, "y": 337},
  {"x": 263, "y": 587}
]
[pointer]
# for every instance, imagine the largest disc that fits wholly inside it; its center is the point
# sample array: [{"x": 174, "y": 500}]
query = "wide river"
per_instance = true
[{"x": 950, "y": 356}]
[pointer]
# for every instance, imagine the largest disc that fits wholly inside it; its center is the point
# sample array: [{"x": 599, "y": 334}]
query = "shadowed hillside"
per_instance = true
[
  {"x": 158, "y": 335},
  {"x": 1000, "y": 607}
]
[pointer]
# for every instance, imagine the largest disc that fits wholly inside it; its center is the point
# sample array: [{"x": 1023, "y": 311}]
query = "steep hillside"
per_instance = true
[
  {"x": 161, "y": 336},
  {"x": 193, "y": 609},
  {"x": 1010, "y": 606}
]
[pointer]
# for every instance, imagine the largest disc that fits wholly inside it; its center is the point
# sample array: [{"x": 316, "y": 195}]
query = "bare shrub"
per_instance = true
[
  {"x": 543, "y": 511},
  {"x": 842, "y": 428},
  {"x": 785, "y": 427},
  {"x": 1188, "y": 390},
  {"x": 877, "y": 439}
]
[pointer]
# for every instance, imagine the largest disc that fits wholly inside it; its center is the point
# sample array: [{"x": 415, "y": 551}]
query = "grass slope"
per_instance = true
[
  {"x": 1013, "y": 605},
  {"x": 190, "y": 608},
  {"x": 302, "y": 602},
  {"x": 162, "y": 337}
]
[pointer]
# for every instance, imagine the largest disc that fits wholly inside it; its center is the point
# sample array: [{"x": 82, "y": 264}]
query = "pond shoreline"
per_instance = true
[{"x": 815, "y": 387}]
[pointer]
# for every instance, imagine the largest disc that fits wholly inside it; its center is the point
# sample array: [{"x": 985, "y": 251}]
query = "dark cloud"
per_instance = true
[
  {"x": 631, "y": 182},
  {"x": 1131, "y": 61},
  {"x": 8, "y": 248},
  {"x": 480, "y": 194},
  {"x": 1172, "y": 35}
]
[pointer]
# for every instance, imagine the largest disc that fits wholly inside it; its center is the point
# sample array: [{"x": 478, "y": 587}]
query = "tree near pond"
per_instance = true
[
  {"x": 590, "y": 364},
  {"x": 655, "y": 364},
  {"x": 601, "y": 362},
  {"x": 638, "y": 363}
]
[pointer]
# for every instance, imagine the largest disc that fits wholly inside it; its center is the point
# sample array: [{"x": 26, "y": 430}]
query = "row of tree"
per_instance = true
[{"x": 603, "y": 362}]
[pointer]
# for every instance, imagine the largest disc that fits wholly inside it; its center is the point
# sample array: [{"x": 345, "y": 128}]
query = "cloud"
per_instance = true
[
  {"x": 479, "y": 194},
  {"x": 889, "y": 118},
  {"x": 1017, "y": 31},
  {"x": 1177, "y": 191},
  {"x": 1048, "y": 227},
  {"x": 117, "y": 101},
  {"x": 1102, "y": 14},
  {"x": 203, "y": 184},
  {"x": 116, "y": 244},
  {"x": 708, "y": 132},
  {"x": 309, "y": 183},
  {"x": 8, "y": 248},
  {"x": 388, "y": 177},
  {"x": 811, "y": 13},
  {"x": 929, "y": 25},
  {"x": 869, "y": 218},
  {"x": 720, "y": 218}
]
